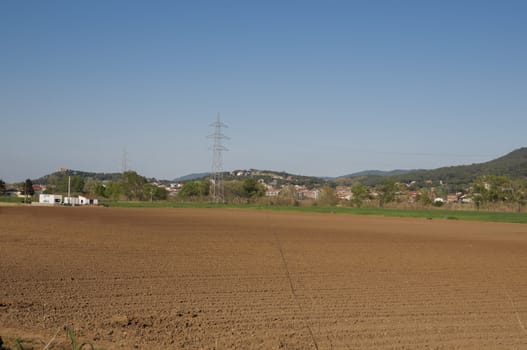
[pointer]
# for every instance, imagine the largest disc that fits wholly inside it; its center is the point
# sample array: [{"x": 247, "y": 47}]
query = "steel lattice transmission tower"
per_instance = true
[
  {"x": 217, "y": 192},
  {"x": 125, "y": 161}
]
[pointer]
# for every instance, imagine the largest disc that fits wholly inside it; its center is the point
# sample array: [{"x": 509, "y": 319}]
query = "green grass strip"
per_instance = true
[{"x": 443, "y": 214}]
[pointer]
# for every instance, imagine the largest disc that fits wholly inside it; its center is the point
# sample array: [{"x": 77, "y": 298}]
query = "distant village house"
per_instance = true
[
  {"x": 53, "y": 199},
  {"x": 57, "y": 199}
]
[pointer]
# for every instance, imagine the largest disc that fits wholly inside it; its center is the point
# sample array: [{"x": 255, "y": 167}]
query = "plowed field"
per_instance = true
[{"x": 244, "y": 279}]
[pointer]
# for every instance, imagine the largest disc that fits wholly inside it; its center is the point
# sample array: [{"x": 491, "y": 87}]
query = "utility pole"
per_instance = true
[
  {"x": 217, "y": 191},
  {"x": 69, "y": 190}
]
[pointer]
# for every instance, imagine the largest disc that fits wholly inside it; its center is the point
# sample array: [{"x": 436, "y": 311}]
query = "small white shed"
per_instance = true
[
  {"x": 50, "y": 198},
  {"x": 71, "y": 201},
  {"x": 88, "y": 200}
]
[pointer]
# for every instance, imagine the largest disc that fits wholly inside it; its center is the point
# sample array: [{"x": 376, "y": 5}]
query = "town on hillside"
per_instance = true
[{"x": 72, "y": 188}]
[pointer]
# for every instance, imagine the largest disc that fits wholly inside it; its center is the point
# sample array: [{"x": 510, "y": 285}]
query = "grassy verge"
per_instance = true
[
  {"x": 159, "y": 204},
  {"x": 485, "y": 216},
  {"x": 8, "y": 199},
  {"x": 445, "y": 214}
]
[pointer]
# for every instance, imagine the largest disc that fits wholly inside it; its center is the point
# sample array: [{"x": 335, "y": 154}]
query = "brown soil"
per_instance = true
[{"x": 244, "y": 279}]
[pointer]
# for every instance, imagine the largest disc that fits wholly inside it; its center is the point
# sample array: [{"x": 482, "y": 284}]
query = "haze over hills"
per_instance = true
[{"x": 513, "y": 165}]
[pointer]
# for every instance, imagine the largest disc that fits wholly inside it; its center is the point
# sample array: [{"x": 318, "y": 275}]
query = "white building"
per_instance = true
[
  {"x": 71, "y": 201},
  {"x": 88, "y": 200},
  {"x": 50, "y": 198}
]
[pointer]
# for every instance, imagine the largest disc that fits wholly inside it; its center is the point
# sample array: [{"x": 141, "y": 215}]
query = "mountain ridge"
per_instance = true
[
  {"x": 385, "y": 173},
  {"x": 513, "y": 164}
]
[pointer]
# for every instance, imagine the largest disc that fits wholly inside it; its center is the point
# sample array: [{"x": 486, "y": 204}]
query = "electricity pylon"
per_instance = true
[{"x": 217, "y": 191}]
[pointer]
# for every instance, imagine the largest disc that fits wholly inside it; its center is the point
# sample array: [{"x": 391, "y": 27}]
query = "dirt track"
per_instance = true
[{"x": 224, "y": 279}]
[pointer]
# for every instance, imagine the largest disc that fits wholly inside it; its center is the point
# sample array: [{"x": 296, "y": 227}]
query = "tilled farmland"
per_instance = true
[{"x": 247, "y": 279}]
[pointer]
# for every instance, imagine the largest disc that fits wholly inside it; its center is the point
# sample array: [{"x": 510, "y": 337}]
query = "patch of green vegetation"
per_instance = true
[
  {"x": 9, "y": 199},
  {"x": 72, "y": 337},
  {"x": 159, "y": 204},
  {"x": 484, "y": 216},
  {"x": 444, "y": 214}
]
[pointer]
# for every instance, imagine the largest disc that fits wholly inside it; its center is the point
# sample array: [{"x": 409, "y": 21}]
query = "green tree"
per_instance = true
[
  {"x": 161, "y": 193},
  {"x": 519, "y": 193},
  {"x": 90, "y": 185},
  {"x": 492, "y": 189},
  {"x": 360, "y": 193},
  {"x": 76, "y": 183},
  {"x": 113, "y": 190},
  {"x": 94, "y": 187},
  {"x": 52, "y": 184},
  {"x": 234, "y": 191},
  {"x": 194, "y": 189},
  {"x": 2, "y": 187},
  {"x": 424, "y": 196},
  {"x": 327, "y": 196},
  {"x": 252, "y": 188},
  {"x": 132, "y": 185},
  {"x": 26, "y": 188},
  {"x": 100, "y": 190},
  {"x": 386, "y": 192},
  {"x": 288, "y": 196},
  {"x": 244, "y": 191},
  {"x": 153, "y": 192}
]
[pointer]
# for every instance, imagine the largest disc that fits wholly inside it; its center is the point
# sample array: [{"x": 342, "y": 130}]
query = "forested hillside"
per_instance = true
[{"x": 513, "y": 165}]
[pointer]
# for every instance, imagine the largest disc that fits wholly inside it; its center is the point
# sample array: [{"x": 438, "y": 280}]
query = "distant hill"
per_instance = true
[
  {"x": 513, "y": 165},
  {"x": 379, "y": 173},
  {"x": 190, "y": 177},
  {"x": 44, "y": 180}
]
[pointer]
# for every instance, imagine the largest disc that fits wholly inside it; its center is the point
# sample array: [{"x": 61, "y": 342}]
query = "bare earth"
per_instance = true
[{"x": 245, "y": 279}]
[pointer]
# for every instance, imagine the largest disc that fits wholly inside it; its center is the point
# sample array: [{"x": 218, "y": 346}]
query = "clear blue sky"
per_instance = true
[{"x": 320, "y": 88}]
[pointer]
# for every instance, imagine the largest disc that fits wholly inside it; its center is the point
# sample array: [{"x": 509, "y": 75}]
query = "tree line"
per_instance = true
[
  {"x": 488, "y": 191},
  {"x": 25, "y": 187},
  {"x": 129, "y": 186}
]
